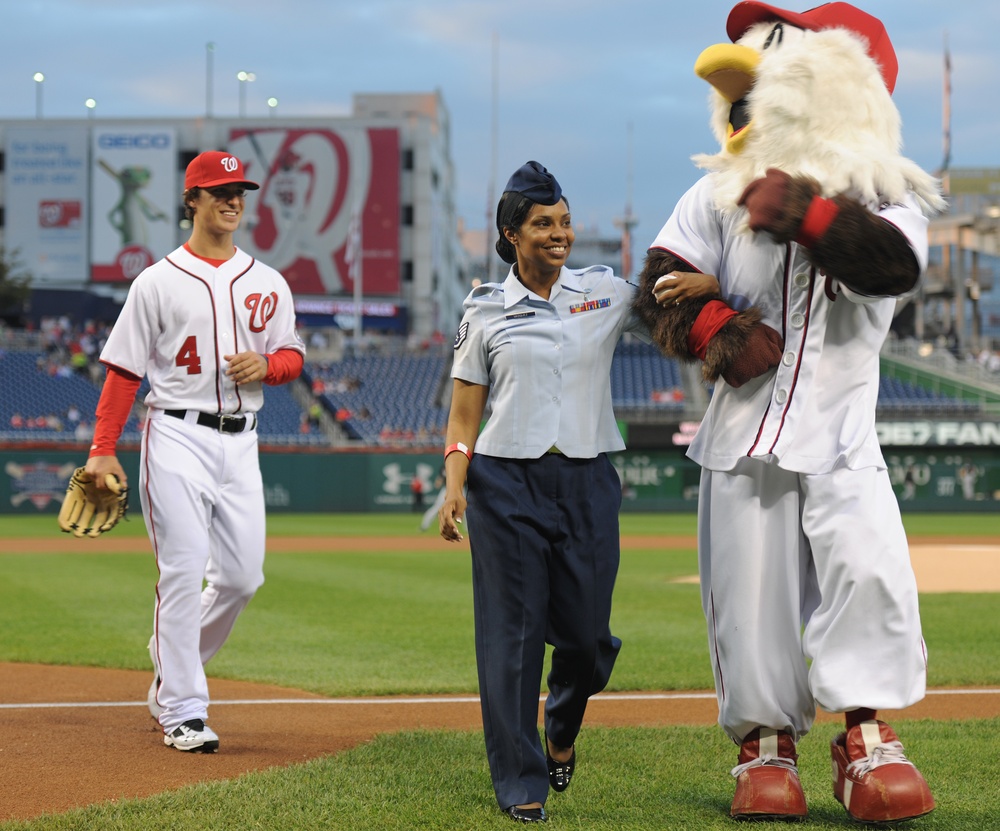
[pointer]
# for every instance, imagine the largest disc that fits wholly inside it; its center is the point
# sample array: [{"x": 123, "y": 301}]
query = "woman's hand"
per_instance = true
[
  {"x": 673, "y": 288},
  {"x": 451, "y": 512}
]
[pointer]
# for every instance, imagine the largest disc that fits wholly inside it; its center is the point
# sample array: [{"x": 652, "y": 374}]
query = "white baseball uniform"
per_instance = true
[
  {"x": 200, "y": 487},
  {"x": 798, "y": 524}
]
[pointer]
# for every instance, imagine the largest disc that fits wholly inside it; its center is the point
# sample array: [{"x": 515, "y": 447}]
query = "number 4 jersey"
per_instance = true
[{"x": 183, "y": 314}]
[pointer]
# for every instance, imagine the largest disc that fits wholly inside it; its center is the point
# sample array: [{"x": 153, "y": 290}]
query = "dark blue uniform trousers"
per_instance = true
[{"x": 545, "y": 552}]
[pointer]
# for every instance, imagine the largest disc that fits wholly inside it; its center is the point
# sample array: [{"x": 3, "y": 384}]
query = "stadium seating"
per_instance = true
[
  {"x": 642, "y": 378},
  {"x": 384, "y": 399},
  {"x": 379, "y": 399},
  {"x": 899, "y": 397},
  {"x": 38, "y": 394}
]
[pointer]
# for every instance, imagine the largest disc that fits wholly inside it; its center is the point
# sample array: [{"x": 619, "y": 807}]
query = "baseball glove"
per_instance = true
[{"x": 89, "y": 511}]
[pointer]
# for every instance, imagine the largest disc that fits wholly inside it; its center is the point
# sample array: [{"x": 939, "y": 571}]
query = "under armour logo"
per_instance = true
[{"x": 395, "y": 480}]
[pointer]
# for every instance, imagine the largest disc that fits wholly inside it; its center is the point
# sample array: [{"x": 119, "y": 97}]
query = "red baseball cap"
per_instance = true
[
  {"x": 213, "y": 167},
  {"x": 828, "y": 16}
]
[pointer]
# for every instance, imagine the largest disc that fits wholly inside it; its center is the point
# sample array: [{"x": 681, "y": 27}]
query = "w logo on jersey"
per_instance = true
[{"x": 262, "y": 308}]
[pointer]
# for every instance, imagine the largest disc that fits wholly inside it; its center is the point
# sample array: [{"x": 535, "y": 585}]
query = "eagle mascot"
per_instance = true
[{"x": 780, "y": 271}]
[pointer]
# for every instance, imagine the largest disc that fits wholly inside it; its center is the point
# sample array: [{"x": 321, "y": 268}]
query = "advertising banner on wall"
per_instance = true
[
  {"x": 316, "y": 188},
  {"x": 135, "y": 198},
  {"x": 46, "y": 198}
]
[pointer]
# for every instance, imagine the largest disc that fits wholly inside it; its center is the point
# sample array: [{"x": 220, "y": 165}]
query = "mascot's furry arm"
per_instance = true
[
  {"x": 736, "y": 346},
  {"x": 844, "y": 239}
]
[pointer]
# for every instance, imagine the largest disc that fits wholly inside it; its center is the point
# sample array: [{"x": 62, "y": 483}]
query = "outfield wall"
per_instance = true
[{"x": 946, "y": 479}]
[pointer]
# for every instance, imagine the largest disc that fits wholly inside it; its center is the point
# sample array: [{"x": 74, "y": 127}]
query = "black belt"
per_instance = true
[{"x": 222, "y": 423}]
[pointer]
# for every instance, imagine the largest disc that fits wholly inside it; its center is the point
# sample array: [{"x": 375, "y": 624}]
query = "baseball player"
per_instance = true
[
  {"x": 207, "y": 325},
  {"x": 812, "y": 231}
]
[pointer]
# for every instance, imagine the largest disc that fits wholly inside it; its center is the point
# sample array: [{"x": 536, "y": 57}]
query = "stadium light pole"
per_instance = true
[
  {"x": 91, "y": 105},
  {"x": 244, "y": 78},
  {"x": 209, "y": 69},
  {"x": 39, "y": 80},
  {"x": 272, "y": 104}
]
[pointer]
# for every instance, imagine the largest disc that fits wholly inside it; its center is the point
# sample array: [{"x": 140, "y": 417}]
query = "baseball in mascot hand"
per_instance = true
[{"x": 89, "y": 511}]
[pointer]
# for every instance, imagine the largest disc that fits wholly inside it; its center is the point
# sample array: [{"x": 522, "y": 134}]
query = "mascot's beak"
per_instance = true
[{"x": 731, "y": 69}]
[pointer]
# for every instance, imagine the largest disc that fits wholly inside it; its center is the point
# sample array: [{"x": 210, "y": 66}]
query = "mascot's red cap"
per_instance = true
[{"x": 828, "y": 16}]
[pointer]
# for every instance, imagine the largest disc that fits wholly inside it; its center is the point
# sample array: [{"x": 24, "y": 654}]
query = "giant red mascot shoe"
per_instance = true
[
  {"x": 767, "y": 778},
  {"x": 872, "y": 778}
]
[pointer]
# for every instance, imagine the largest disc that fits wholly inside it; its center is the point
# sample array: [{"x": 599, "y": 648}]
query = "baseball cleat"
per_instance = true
[
  {"x": 767, "y": 778},
  {"x": 194, "y": 736},
  {"x": 872, "y": 778}
]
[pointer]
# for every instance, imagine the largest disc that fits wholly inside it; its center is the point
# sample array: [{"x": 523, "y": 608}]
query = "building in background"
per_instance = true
[
  {"x": 354, "y": 210},
  {"x": 960, "y": 299}
]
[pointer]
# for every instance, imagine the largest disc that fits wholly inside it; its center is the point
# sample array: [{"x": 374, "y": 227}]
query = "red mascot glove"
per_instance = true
[
  {"x": 762, "y": 352},
  {"x": 766, "y": 199},
  {"x": 788, "y": 208}
]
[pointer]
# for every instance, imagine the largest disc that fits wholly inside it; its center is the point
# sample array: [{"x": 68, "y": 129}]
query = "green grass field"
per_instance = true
[{"x": 400, "y": 621}]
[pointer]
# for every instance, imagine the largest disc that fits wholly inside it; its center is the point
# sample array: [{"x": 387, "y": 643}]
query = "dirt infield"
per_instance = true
[
  {"x": 94, "y": 730},
  {"x": 90, "y": 727}
]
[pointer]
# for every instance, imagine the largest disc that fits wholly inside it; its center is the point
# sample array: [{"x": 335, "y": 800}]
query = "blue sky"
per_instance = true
[{"x": 600, "y": 92}]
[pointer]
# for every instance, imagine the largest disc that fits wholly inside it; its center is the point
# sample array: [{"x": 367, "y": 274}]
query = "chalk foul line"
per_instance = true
[{"x": 695, "y": 696}]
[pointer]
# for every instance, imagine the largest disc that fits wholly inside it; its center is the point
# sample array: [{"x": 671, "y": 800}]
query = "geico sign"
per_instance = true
[{"x": 135, "y": 141}]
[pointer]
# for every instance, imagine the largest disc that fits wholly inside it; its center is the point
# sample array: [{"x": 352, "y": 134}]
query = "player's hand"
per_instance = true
[
  {"x": 677, "y": 286},
  {"x": 99, "y": 466},
  {"x": 450, "y": 517},
  {"x": 246, "y": 367}
]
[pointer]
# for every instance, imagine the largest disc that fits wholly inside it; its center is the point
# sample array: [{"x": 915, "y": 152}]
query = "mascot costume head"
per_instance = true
[
  {"x": 810, "y": 150},
  {"x": 809, "y": 93}
]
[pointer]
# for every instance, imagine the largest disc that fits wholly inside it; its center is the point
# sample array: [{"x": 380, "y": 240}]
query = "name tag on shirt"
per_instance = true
[{"x": 519, "y": 316}]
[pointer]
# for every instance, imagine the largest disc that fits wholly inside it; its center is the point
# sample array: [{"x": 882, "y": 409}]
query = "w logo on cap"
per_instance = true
[{"x": 204, "y": 172}]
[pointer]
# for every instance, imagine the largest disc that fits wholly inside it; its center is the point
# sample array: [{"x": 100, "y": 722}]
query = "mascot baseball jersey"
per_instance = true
[{"x": 829, "y": 368}]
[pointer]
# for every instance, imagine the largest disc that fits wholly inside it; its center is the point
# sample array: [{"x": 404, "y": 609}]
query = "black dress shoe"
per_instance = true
[
  {"x": 559, "y": 772},
  {"x": 526, "y": 814}
]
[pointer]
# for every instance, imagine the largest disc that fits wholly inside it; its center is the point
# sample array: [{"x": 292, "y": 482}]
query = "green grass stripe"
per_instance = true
[{"x": 629, "y": 779}]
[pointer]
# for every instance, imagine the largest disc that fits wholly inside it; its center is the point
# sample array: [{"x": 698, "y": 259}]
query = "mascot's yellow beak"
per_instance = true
[{"x": 731, "y": 69}]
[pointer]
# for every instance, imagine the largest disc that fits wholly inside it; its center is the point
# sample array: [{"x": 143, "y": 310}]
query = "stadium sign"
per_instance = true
[{"x": 938, "y": 433}]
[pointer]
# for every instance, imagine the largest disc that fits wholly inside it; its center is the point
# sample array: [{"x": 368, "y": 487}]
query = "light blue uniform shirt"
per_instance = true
[{"x": 547, "y": 362}]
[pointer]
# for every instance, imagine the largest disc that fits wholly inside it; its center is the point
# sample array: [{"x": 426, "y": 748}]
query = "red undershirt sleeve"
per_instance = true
[
  {"x": 113, "y": 410},
  {"x": 283, "y": 366}
]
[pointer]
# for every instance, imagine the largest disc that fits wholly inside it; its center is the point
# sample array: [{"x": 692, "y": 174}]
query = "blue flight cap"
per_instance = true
[{"x": 536, "y": 183}]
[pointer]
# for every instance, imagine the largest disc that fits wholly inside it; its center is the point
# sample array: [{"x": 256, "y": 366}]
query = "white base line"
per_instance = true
[{"x": 396, "y": 701}]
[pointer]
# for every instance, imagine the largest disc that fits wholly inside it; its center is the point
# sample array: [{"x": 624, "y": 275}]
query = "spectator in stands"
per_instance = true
[
  {"x": 543, "y": 495},
  {"x": 83, "y": 432},
  {"x": 17, "y": 421},
  {"x": 318, "y": 340}
]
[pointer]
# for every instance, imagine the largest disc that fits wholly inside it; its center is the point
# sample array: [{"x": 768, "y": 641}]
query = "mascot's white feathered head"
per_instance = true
[{"x": 809, "y": 93}]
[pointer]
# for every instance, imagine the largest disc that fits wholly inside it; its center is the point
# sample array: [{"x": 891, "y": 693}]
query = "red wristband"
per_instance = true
[
  {"x": 710, "y": 320},
  {"x": 819, "y": 216},
  {"x": 451, "y": 448}
]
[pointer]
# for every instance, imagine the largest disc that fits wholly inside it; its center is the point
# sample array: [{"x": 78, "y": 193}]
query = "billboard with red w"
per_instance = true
[{"x": 312, "y": 181}]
